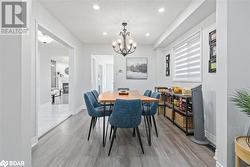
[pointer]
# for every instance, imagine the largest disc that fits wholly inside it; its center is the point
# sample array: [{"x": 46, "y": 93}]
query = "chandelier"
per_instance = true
[{"x": 125, "y": 45}]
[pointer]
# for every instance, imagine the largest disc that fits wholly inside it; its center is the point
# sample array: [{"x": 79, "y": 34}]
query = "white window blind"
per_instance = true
[{"x": 187, "y": 60}]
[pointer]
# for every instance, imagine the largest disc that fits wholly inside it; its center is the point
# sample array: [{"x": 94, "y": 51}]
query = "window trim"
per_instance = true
[{"x": 201, "y": 59}]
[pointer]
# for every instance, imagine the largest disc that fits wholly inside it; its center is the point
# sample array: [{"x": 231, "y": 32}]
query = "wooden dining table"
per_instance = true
[{"x": 108, "y": 98}]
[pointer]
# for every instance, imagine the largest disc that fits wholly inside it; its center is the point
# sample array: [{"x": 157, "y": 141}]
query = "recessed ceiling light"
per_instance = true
[
  {"x": 147, "y": 34},
  {"x": 104, "y": 33},
  {"x": 96, "y": 7},
  {"x": 161, "y": 10}
]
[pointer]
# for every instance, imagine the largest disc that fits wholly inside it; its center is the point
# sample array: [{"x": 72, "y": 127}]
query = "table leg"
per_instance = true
[
  {"x": 149, "y": 126},
  {"x": 103, "y": 138},
  {"x": 237, "y": 161}
]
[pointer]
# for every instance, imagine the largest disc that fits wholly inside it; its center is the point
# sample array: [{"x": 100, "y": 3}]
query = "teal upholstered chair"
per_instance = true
[
  {"x": 152, "y": 110},
  {"x": 96, "y": 94},
  {"x": 126, "y": 114},
  {"x": 95, "y": 110},
  {"x": 147, "y": 93}
]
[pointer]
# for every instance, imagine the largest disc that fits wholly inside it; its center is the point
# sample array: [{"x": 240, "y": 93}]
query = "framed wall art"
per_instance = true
[
  {"x": 137, "y": 68},
  {"x": 212, "y": 52},
  {"x": 168, "y": 65}
]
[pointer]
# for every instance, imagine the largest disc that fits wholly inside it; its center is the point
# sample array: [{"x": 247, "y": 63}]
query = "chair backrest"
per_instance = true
[
  {"x": 147, "y": 93},
  {"x": 154, "y": 105},
  {"x": 123, "y": 89},
  {"x": 90, "y": 103},
  {"x": 96, "y": 94},
  {"x": 126, "y": 113}
]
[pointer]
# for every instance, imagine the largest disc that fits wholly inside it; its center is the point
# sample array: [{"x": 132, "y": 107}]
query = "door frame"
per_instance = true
[{"x": 71, "y": 53}]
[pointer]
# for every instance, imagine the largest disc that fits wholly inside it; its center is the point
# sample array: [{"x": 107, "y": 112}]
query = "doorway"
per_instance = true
[
  {"x": 53, "y": 80},
  {"x": 102, "y": 75}
]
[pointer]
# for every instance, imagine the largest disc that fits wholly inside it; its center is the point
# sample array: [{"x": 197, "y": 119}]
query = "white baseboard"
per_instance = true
[
  {"x": 210, "y": 137},
  {"x": 34, "y": 141},
  {"x": 219, "y": 164},
  {"x": 82, "y": 107}
]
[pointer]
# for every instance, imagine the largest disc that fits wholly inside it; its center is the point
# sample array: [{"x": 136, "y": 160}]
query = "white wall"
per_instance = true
[
  {"x": 15, "y": 97},
  {"x": 238, "y": 68},
  {"x": 120, "y": 64},
  {"x": 234, "y": 50},
  {"x": 45, "y": 74},
  {"x": 208, "y": 80}
]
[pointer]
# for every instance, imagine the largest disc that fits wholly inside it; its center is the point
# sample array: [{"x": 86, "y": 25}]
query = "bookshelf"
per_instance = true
[{"x": 177, "y": 108}]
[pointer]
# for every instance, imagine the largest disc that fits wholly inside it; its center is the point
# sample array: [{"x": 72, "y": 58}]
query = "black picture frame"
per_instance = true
[
  {"x": 168, "y": 65},
  {"x": 213, "y": 51},
  {"x": 212, "y": 37},
  {"x": 212, "y": 66}
]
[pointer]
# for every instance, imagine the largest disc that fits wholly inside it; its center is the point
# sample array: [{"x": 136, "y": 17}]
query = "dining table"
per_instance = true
[{"x": 108, "y": 98}]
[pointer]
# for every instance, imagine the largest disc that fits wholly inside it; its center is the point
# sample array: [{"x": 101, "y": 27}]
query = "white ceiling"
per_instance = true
[{"x": 142, "y": 17}]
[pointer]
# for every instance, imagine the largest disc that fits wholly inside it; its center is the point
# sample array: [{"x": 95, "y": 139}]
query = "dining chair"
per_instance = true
[
  {"x": 147, "y": 93},
  {"x": 126, "y": 114},
  {"x": 95, "y": 110},
  {"x": 95, "y": 93},
  {"x": 149, "y": 111},
  {"x": 123, "y": 89}
]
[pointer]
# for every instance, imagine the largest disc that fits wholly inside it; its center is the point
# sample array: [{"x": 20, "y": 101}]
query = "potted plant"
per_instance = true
[{"x": 241, "y": 98}]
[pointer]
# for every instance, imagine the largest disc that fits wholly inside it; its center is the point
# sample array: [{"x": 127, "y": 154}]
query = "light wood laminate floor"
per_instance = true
[{"x": 67, "y": 146}]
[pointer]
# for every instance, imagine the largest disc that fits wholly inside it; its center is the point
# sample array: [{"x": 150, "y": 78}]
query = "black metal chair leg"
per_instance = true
[
  {"x": 112, "y": 141},
  {"x": 150, "y": 121},
  {"x": 133, "y": 132},
  {"x": 139, "y": 137},
  {"x": 155, "y": 125},
  {"x": 91, "y": 123},
  {"x": 94, "y": 122},
  {"x": 149, "y": 130},
  {"x": 111, "y": 129},
  {"x": 107, "y": 130},
  {"x": 146, "y": 126}
]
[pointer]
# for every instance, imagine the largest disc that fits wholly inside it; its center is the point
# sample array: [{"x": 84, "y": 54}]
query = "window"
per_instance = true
[{"x": 187, "y": 60}]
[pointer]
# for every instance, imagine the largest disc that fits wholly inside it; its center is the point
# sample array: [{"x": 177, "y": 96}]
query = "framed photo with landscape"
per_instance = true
[{"x": 137, "y": 68}]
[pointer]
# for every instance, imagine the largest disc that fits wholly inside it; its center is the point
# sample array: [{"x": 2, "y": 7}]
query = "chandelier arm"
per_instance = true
[
  {"x": 132, "y": 51},
  {"x": 117, "y": 50},
  {"x": 130, "y": 48}
]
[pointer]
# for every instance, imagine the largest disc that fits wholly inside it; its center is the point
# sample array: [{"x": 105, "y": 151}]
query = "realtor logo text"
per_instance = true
[
  {"x": 14, "y": 17},
  {"x": 4, "y": 163}
]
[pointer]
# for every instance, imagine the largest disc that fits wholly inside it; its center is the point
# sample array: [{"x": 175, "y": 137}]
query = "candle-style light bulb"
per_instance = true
[{"x": 119, "y": 41}]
